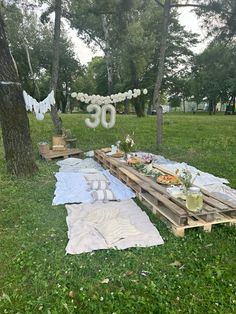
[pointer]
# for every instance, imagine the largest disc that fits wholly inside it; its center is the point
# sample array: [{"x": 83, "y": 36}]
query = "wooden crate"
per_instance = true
[
  {"x": 64, "y": 153},
  {"x": 172, "y": 210},
  {"x": 43, "y": 148}
]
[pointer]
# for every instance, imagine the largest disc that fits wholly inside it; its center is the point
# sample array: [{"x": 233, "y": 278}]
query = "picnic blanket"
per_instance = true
[
  {"x": 119, "y": 225},
  {"x": 71, "y": 188},
  {"x": 76, "y": 165},
  {"x": 75, "y": 187}
]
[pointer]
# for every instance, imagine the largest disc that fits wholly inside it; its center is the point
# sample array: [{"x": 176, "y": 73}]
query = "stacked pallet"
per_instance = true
[
  {"x": 59, "y": 149},
  {"x": 169, "y": 208}
]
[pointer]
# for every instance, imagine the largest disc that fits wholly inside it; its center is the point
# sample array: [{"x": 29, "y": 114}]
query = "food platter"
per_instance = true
[
  {"x": 118, "y": 154},
  {"x": 168, "y": 179},
  {"x": 134, "y": 160}
]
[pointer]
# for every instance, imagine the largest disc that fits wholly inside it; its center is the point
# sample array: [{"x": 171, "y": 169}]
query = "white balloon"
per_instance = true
[
  {"x": 74, "y": 95},
  {"x": 112, "y": 110},
  {"x": 39, "y": 116},
  {"x": 95, "y": 116}
]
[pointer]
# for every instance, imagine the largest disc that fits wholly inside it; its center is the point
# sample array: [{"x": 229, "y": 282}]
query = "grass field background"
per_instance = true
[{"x": 195, "y": 274}]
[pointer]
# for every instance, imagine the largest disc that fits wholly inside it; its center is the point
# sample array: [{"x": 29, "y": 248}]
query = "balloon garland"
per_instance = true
[
  {"x": 95, "y": 101},
  {"x": 39, "y": 108},
  {"x": 106, "y": 100}
]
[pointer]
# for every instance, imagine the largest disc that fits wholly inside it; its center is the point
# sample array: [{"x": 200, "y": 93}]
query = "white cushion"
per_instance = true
[
  {"x": 98, "y": 185},
  {"x": 103, "y": 195}
]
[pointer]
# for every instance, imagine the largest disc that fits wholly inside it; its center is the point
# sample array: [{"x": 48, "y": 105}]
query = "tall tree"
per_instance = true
[
  {"x": 13, "y": 117},
  {"x": 160, "y": 72},
  {"x": 167, "y": 6},
  {"x": 55, "y": 63}
]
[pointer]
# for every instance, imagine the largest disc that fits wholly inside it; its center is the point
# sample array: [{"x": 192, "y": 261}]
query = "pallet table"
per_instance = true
[
  {"x": 62, "y": 153},
  {"x": 167, "y": 207}
]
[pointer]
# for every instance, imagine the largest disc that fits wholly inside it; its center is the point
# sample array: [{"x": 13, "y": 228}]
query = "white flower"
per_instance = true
[{"x": 145, "y": 91}]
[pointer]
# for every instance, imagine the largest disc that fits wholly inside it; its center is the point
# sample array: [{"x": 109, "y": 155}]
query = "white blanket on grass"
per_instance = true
[
  {"x": 75, "y": 187},
  {"x": 119, "y": 225},
  {"x": 71, "y": 188},
  {"x": 118, "y": 188},
  {"x": 77, "y": 165}
]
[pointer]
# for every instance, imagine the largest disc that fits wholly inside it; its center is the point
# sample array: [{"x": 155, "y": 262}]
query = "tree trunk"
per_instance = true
[
  {"x": 55, "y": 64},
  {"x": 139, "y": 110},
  {"x": 31, "y": 71},
  {"x": 184, "y": 105},
  {"x": 210, "y": 109},
  {"x": 13, "y": 117},
  {"x": 126, "y": 106},
  {"x": 149, "y": 111},
  {"x": 160, "y": 73},
  {"x": 233, "y": 108},
  {"x": 107, "y": 52}
]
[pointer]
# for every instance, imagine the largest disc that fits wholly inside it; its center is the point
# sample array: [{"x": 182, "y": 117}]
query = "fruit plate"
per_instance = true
[{"x": 168, "y": 179}]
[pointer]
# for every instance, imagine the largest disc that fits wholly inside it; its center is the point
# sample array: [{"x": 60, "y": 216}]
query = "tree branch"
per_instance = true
[
  {"x": 187, "y": 5},
  {"x": 161, "y": 4},
  {"x": 94, "y": 39}
]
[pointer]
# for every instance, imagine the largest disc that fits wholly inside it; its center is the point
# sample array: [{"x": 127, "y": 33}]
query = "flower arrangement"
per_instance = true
[
  {"x": 186, "y": 178},
  {"x": 148, "y": 159},
  {"x": 126, "y": 144}
]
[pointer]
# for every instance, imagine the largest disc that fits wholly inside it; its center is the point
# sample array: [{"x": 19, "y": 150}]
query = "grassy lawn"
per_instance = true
[{"x": 195, "y": 274}]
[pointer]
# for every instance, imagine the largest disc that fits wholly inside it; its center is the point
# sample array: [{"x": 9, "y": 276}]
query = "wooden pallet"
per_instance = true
[
  {"x": 52, "y": 154},
  {"x": 172, "y": 210}
]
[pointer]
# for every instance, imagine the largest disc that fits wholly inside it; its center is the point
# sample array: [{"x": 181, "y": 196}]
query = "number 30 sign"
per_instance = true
[{"x": 100, "y": 116}]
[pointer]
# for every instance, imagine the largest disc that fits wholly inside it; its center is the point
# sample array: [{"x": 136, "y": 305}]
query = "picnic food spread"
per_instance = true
[
  {"x": 168, "y": 179},
  {"x": 134, "y": 160}
]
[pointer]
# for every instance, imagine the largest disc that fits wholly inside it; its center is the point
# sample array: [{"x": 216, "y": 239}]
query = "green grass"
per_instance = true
[{"x": 195, "y": 274}]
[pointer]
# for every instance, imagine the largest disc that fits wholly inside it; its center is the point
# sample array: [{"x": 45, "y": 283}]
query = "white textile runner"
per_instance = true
[{"x": 203, "y": 179}]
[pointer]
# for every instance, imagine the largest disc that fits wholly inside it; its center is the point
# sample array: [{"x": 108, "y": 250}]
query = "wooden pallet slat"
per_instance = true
[{"x": 63, "y": 153}]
